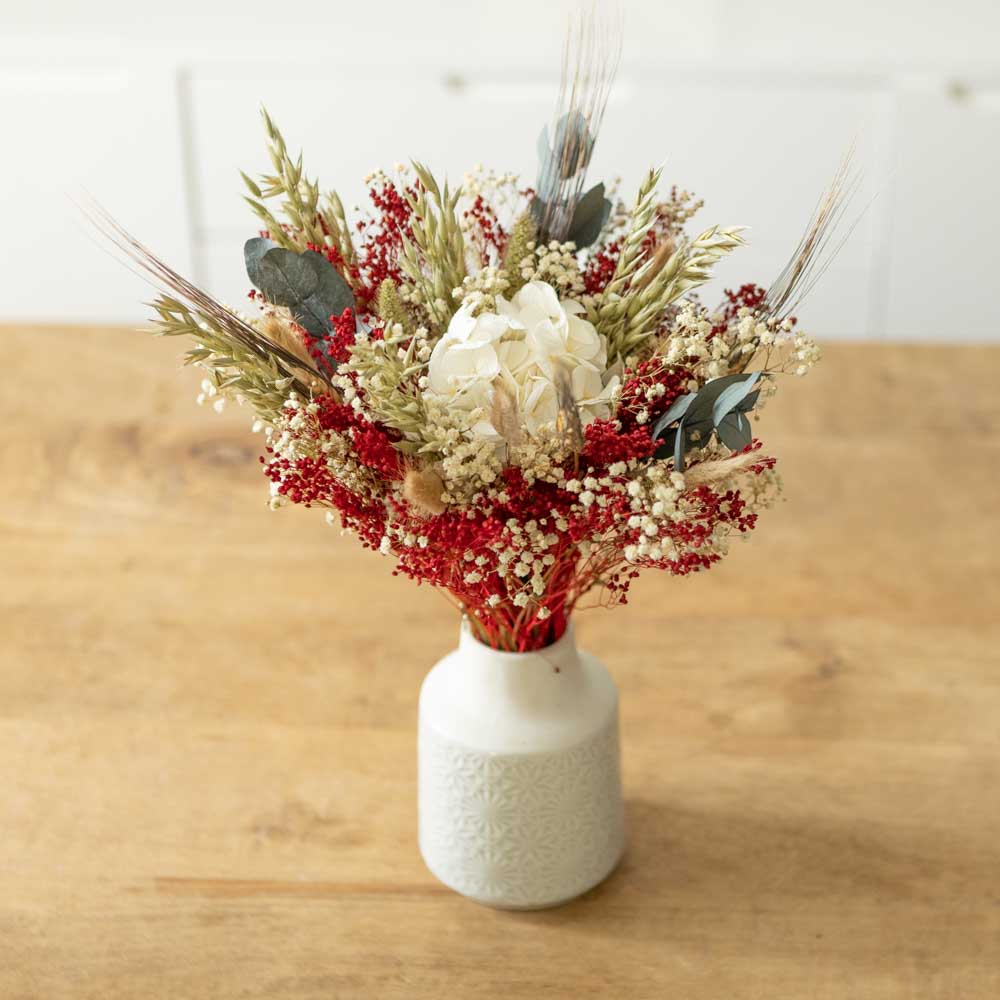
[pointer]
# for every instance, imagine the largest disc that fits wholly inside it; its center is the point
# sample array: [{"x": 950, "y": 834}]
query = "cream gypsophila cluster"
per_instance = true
[{"x": 712, "y": 347}]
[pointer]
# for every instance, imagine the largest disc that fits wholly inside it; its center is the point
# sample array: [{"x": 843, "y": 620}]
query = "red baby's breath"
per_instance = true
[
  {"x": 483, "y": 221},
  {"x": 382, "y": 236}
]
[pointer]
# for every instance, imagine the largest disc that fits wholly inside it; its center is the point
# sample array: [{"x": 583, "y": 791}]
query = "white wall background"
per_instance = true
[{"x": 152, "y": 110}]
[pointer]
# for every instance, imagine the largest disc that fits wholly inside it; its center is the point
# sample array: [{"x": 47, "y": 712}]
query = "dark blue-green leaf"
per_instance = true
[
  {"x": 704, "y": 404},
  {"x": 734, "y": 431},
  {"x": 537, "y": 209},
  {"x": 677, "y": 410},
  {"x": 589, "y": 216},
  {"x": 731, "y": 397},
  {"x": 679, "y": 445},
  {"x": 307, "y": 283},
  {"x": 668, "y": 441},
  {"x": 569, "y": 150},
  {"x": 253, "y": 251}
]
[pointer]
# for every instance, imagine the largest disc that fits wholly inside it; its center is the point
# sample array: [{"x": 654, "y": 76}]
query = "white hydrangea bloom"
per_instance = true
[{"x": 518, "y": 350}]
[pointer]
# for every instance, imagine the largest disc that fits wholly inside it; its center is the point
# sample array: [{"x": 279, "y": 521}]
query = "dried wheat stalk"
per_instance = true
[
  {"x": 590, "y": 61},
  {"x": 813, "y": 255},
  {"x": 228, "y": 323}
]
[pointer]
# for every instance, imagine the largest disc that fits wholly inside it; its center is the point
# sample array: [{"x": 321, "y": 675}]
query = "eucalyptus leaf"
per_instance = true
[
  {"x": 537, "y": 209},
  {"x": 591, "y": 213},
  {"x": 732, "y": 396},
  {"x": 679, "y": 444},
  {"x": 307, "y": 283},
  {"x": 253, "y": 251},
  {"x": 734, "y": 431},
  {"x": 704, "y": 405},
  {"x": 668, "y": 440},
  {"x": 543, "y": 148},
  {"x": 677, "y": 410},
  {"x": 718, "y": 407}
]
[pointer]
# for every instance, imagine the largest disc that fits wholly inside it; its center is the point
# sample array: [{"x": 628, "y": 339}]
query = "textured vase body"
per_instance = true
[{"x": 519, "y": 784}]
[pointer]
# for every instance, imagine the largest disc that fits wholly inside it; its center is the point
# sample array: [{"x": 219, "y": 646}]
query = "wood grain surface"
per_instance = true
[{"x": 207, "y": 716}]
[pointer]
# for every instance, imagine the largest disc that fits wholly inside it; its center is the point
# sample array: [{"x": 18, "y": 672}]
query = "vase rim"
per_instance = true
[{"x": 565, "y": 642}]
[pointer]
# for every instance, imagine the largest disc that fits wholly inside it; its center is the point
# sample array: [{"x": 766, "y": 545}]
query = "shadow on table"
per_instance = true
[{"x": 680, "y": 861}]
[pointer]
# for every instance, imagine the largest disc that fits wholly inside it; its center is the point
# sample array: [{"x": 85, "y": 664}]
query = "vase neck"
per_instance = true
[
  {"x": 538, "y": 679},
  {"x": 560, "y": 655}
]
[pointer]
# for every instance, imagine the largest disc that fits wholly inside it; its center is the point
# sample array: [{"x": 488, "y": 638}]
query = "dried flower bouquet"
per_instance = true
[{"x": 513, "y": 392}]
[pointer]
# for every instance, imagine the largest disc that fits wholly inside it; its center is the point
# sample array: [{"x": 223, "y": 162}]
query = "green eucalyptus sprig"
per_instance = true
[
  {"x": 559, "y": 209},
  {"x": 306, "y": 283},
  {"x": 718, "y": 408}
]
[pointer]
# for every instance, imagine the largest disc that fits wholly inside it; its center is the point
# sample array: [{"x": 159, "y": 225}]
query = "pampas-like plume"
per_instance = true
[
  {"x": 590, "y": 61},
  {"x": 709, "y": 473},
  {"x": 423, "y": 489},
  {"x": 229, "y": 324},
  {"x": 279, "y": 331}
]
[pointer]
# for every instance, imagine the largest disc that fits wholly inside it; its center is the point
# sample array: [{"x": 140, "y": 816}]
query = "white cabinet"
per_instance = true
[
  {"x": 751, "y": 108},
  {"x": 72, "y": 131},
  {"x": 943, "y": 261},
  {"x": 760, "y": 152},
  {"x": 449, "y": 123},
  {"x": 760, "y": 155}
]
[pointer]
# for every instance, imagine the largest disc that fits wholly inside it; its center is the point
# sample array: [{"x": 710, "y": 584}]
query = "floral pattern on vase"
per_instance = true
[{"x": 521, "y": 830}]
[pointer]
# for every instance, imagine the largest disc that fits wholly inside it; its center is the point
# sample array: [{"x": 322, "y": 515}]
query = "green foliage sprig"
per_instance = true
[
  {"x": 317, "y": 219},
  {"x": 689, "y": 266},
  {"x": 306, "y": 283},
  {"x": 718, "y": 408},
  {"x": 237, "y": 369},
  {"x": 434, "y": 259},
  {"x": 388, "y": 369}
]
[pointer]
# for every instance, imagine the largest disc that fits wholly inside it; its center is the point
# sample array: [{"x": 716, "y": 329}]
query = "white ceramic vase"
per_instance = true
[{"x": 519, "y": 784}]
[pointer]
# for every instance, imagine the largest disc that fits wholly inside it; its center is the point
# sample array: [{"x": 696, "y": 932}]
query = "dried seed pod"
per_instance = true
[{"x": 423, "y": 489}]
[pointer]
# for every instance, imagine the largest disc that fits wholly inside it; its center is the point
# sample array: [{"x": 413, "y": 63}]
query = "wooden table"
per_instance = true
[{"x": 207, "y": 716}]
